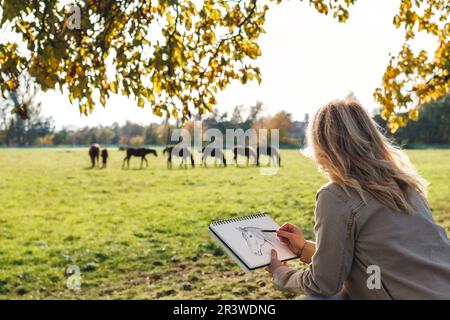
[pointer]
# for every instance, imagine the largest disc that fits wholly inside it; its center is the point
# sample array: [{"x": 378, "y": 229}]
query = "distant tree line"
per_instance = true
[
  {"x": 432, "y": 128},
  {"x": 39, "y": 131}
]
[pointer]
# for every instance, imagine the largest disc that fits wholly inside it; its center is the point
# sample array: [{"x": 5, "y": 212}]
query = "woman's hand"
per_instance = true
[
  {"x": 293, "y": 237},
  {"x": 274, "y": 262}
]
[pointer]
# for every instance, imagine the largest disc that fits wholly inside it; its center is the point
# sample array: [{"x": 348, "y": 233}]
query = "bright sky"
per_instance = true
[{"x": 307, "y": 59}]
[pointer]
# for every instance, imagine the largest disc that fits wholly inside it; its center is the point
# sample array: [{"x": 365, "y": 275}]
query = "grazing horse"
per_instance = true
[
  {"x": 94, "y": 153},
  {"x": 104, "y": 156},
  {"x": 138, "y": 152},
  {"x": 181, "y": 152},
  {"x": 271, "y": 152},
  {"x": 244, "y": 151},
  {"x": 258, "y": 242},
  {"x": 216, "y": 153}
]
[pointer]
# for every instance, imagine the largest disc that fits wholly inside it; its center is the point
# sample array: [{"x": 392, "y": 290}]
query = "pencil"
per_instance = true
[{"x": 269, "y": 230}]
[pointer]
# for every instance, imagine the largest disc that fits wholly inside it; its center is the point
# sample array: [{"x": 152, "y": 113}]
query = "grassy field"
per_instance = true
[{"x": 142, "y": 234}]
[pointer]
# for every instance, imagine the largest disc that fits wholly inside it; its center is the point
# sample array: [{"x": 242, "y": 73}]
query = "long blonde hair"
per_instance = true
[{"x": 349, "y": 148}]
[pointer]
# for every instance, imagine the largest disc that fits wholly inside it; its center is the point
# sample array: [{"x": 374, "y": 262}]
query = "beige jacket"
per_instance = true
[{"x": 411, "y": 251}]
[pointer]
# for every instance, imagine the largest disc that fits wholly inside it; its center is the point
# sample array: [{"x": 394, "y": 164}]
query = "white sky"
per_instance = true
[{"x": 307, "y": 59}]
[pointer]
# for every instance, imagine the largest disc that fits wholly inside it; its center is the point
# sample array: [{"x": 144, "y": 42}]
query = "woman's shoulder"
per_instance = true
[{"x": 333, "y": 191}]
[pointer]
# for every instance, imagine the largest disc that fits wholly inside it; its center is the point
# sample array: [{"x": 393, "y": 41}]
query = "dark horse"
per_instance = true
[
  {"x": 271, "y": 152},
  {"x": 216, "y": 153},
  {"x": 94, "y": 153},
  {"x": 104, "y": 155},
  {"x": 181, "y": 152},
  {"x": 244, "y": 151},
  {"x": 138, "y": 152}
]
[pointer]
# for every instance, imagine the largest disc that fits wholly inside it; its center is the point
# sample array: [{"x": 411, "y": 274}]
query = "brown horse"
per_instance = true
[
  {"x": 181, "y": 152},
  {"x": 216, "y": 153},
  {"x": 244, "y": 151},
  {"x": 104, "y": 155},
  {"x": 94, "y": 153},
  {"x": 271, "y": 152},
  {"x": 137, "y": 152}
]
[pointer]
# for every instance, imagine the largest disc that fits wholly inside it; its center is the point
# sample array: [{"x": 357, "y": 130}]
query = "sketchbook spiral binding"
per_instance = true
[{"x": 249, "y": 217}]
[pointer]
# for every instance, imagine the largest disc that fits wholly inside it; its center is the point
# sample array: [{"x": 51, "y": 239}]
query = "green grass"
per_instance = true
[{"x": 142, "y": 234}]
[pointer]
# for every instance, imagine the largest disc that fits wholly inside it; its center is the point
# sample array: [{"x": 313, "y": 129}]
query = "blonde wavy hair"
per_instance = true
[{"x": 349, "y": 148}]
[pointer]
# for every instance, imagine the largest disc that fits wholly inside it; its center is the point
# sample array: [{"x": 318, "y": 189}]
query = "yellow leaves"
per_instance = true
[
  {"x": 103, "y": 100},
  {"x": 338, "y": 8},
  {"x": 396, "y": 122},
  {"x": 141, "y": 102},
  {"x": 201, "y": 48},
  {"x": 12, "y": 84},
  {"x": 12, "y": 9},
  {"x": 177, "y": 54},
  {"x": 432, "y": 95},
  {"x": 215, "y": 15},
  {"x": 397, "y": 21},
  {"x": 390, "y": 73},
  {"x": 258, "y": 78},
  {"x": 209, "y": 37},
  {"x": 83, "y": 53},
  {"x": 157, "y": 84},
  {"x": 186, "y": 60},
  {"x": 341, "y": 14},
  {"x": 244, "y": 78},
  {"x": 175, "y": 113},
  {"x": 157, "y": 111},
  {"x": 149, "y": 96},
  {"x": 415, "y": 76},
  {"x": 402, "y": 121},
  {"x": 23, "y": 26},
  {"x": 105, "y": 85},
  {"x": 138, "y": 36},
  {"x": 320, "y": 6},
  {"x": 86, "y": 107},
  {"x": 170, "y": 20},
  {"x": 77, "y": 92},
  {"x": 418, "y": 77},
  {"x": 251, "y": 49},
  {"x": 53, "y": 63},
  {"x": 83, "y": 108},
  {"x": 113, "y": 86},
  {"x": 385, "y": 113},
  {"x": 413, "y": 114},
  {"x": 50, "y": 82}
]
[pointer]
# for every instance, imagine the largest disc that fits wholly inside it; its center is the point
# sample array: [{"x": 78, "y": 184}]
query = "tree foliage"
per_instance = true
[
  {"x": 415, "y": 78},
  {"x": 433, "y": 127},
  {"x": 175, "y": 55},
  {"x": 281, "y": 121},
  {"x": 25, "y": 130}
]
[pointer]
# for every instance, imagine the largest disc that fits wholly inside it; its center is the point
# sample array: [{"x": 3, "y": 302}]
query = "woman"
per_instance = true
[{"x": 375, "y": 235}]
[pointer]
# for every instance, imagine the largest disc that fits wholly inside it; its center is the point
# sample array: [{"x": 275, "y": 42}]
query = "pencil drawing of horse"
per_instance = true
[{"x": 257, "y": 241}]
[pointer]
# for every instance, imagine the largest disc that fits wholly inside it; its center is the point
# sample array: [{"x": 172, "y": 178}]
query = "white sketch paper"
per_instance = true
[{"x": 245, "y": 238}]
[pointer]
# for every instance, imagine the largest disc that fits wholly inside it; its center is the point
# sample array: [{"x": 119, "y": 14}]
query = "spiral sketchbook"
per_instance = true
[{"x": 245, "y": 240}]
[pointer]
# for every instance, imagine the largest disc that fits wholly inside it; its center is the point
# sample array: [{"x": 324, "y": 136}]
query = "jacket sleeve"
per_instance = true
[{"x": 333, "y": 258}]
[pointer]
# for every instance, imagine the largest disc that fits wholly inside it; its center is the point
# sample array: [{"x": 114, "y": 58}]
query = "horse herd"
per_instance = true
[{"x": 186, "y": 155}]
